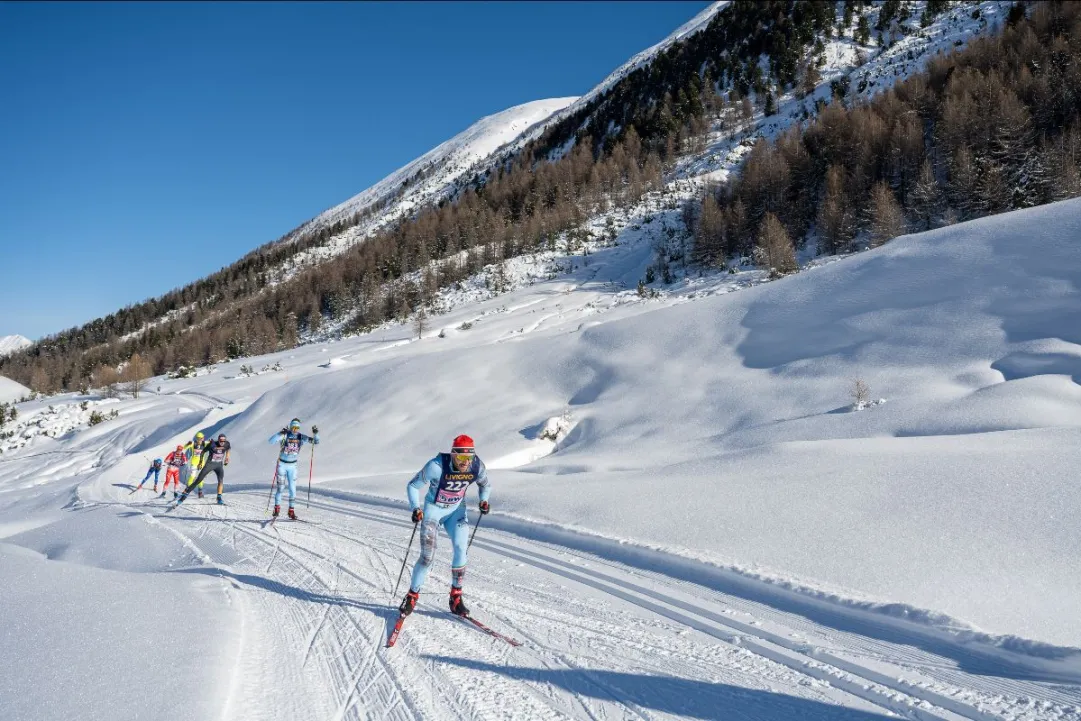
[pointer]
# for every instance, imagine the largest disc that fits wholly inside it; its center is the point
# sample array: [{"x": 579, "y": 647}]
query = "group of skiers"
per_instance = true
[
  {"x": 436, "y": 494},
  {"x": 189, "y": 464}
]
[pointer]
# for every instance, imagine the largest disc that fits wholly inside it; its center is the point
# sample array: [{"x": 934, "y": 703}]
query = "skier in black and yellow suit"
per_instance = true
[{"x": 194, "y": 449}]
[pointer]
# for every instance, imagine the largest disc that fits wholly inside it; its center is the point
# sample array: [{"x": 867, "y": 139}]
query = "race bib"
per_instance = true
[{"x": 451, "y": 491}]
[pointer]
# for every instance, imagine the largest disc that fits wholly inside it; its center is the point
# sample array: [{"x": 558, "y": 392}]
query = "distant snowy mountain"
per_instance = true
[
  {"x": 692, "y": 26},
  {"x": 11, "y": 343},
  {"x": 430, "y": 177}
]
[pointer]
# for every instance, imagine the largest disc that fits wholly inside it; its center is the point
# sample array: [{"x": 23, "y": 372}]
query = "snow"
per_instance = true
[
  {"x": 687, "y": 514},
  {"x": 11, "y": 391},
  {"x": 693, "y": 517},
  {"x": 11, "y": 343},
  {"x": 431, "y": 177}
]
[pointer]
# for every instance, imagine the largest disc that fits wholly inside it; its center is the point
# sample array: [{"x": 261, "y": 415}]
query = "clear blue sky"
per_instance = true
[{"x": 143, "y": 146}]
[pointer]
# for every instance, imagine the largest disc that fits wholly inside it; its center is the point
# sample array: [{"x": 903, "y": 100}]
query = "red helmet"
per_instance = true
[{"x": 462, "y": 444}]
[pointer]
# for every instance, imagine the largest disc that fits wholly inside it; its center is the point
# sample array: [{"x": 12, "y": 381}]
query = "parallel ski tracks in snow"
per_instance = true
[{"x": 443, "y": 670}]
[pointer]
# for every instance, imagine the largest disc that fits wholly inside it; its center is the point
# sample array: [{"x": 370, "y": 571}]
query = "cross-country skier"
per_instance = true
[
  {"x": 446, "y": 477},
  {"x": 176, "y": 460},
  {"x": 154, "y": 470},
  {"x": 290, "y": 439},
  {"x": 194, "y": 449},
  {"x": 214, "y": 458}
]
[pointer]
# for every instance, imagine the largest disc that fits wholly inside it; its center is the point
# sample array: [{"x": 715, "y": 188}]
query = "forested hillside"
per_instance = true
[{"x": 986, "y": 130}]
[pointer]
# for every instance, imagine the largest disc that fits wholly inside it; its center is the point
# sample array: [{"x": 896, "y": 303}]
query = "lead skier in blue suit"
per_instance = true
[
  {"x": 290, "y": 439},
  {"x": 446, "y": 477}
]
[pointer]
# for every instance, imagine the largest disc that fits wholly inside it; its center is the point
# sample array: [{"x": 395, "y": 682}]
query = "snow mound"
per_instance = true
[{"x": 10, "y": 391}]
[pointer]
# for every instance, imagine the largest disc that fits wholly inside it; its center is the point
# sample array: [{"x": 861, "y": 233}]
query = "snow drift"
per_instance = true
[{"x": 11, "y": 391}]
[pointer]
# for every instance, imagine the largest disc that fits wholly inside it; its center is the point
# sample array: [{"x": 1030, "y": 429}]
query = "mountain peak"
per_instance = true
[{"x": 12, "y": 343}]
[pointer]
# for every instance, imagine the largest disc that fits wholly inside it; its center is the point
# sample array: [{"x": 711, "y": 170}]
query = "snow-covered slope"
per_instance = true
[
  {"x": 430, "y": 177},
  {"x": 11, "y": 343},
  {"x": 692, "y": 26},
  {"x": 711, "y": 521},
  {"x": 11, "y": 391}
]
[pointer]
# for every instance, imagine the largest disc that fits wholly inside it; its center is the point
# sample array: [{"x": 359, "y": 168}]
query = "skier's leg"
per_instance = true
[
  {"x": 291, "y": 478},
  {"x": 429, "y": 534},
  {"x": 198, "y": 480},
  {"x": 219, "y": 471},
  {"x": 457, "y": 525},
  {"x": 278, "y": 481},
  {"x": 173, "y": 474}
]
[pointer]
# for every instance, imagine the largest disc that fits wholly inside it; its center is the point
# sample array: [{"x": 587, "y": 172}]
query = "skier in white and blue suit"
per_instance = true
[
  {"x": 290, "y": 439},
  {"x": 446, "y": 478}
]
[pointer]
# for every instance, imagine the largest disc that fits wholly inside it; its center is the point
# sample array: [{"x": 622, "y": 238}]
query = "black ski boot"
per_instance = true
[
  {"x": 277, "y": 510},
  {"x": 200, "y": 493},
  {"x": 456, "y": 606},
  {"x": 409, "y": 603},
  {"x": 292, "y": 513}
]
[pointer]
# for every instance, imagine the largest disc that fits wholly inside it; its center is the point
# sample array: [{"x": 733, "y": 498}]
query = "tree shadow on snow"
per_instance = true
[{"x": 672, "y": 695}]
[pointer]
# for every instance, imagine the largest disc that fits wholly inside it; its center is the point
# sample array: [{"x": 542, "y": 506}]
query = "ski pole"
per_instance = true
[
  {"x": 405, "y": 560},
  {"x": 311, "y": 468},
  {"x": 479, "y": 516},
  {"x": 273, "y": 482}
]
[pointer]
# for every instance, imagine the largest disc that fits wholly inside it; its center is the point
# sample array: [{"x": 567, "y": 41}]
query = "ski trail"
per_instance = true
[{"x": 600, "y": 640}]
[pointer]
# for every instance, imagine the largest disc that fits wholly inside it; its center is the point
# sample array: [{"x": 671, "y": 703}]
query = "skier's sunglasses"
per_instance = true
[{"x": 462, "y": 459}]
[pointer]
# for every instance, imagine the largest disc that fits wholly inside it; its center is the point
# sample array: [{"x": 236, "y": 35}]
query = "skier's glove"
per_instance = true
[
  {"x": 315, "y": 430},
  {"x": 484, "y": 508},
  {"x": 284, "y": 431},
  {"x": 418, "y": 515}
]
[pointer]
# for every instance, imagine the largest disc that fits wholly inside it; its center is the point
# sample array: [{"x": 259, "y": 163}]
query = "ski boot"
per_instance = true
[
  {"x": 175, "y": 495},
  {"x": 155, "y": 488},
  {"x": 162, "y": 494},
  {"x": 183, "y": 497},
  {"x": 409, "y": 603},
  {"x": 200, "y": 493},
  {"x": 456, "y": 606},
  {"x": 277, "y": 510},
  {"x": 220, "y": 502},
  {"x": 292, "y": 513}
]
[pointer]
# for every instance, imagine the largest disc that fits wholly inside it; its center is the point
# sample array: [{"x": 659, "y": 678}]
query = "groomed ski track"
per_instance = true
[{"x": 602, "y": 640}]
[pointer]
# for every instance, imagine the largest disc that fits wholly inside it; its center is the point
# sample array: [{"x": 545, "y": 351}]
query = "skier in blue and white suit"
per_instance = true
[
  {"x": 446, "y": 478},
  {"x": 290, "y": 439}
]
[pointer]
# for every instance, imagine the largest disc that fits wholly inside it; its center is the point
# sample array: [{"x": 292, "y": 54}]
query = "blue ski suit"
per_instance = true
[
  {"x": 444, "y": 505},
  {"x": 287, "y": 462},
  {"x": 154, "y": 470}
]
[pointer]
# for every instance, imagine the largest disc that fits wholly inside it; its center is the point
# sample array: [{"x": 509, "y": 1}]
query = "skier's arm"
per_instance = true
[
  {"x": 314, "y": 440},
  {"x": 484, "y": 486},
  {"x": 276, "y": 438},
  {"x": 422, "y": 481}
]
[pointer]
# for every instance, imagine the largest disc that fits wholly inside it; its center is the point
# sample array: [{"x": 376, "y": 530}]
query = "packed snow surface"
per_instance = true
[{"x": 690, "y": 514}]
